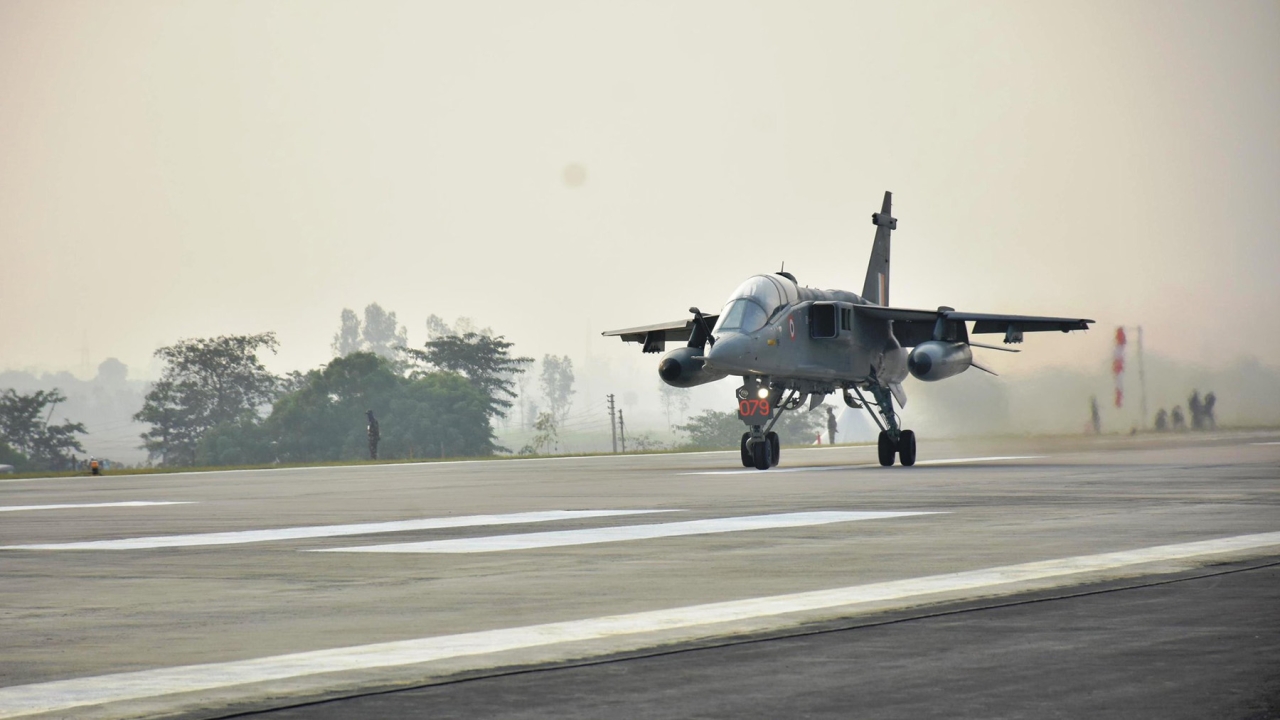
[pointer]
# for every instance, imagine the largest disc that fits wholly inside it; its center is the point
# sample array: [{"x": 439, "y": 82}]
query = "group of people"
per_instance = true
[{"x": 1201, "y": 410}]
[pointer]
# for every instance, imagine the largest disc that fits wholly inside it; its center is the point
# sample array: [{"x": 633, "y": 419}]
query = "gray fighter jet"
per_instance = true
[{"x": 792, "y": 344}]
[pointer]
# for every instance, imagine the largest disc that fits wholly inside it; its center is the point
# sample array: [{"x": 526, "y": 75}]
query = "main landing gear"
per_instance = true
[
  {"x": 893, "y": 440},
  {"x": 905, "y": 448}
]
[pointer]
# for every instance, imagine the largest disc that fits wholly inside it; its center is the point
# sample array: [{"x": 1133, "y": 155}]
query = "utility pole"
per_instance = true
[
  {"x": 1142, "y": 380},
  {"x": 613, "y": 424},
  {"x": 622, "y": 430}
]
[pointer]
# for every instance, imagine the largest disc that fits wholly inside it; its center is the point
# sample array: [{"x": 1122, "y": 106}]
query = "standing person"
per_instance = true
[
  {"x": 1209, "y": 401},
  {"x": 1197, "y": 410},
  {"x": 831, "y": 426},
  {"x": 374, "y": 435},
  {"x": 94, "y": 468},
  {"x": 1095, "y": 416}
]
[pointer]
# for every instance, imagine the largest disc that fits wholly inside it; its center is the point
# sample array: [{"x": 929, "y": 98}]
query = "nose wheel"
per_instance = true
[{"x": 760, "y": 454}]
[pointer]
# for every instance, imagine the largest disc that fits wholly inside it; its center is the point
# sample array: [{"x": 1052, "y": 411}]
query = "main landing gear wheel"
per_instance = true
[
  {"x": 907, "y": 448},
  {"x": 762, "y": 454},
  {"x": 775, "y": 448},
  {"x": 747, "y": 461},
  {"x": 885, "y": 447}
]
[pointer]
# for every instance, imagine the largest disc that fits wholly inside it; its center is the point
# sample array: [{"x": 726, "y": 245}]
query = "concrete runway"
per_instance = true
[{"x": 270, "y": 588}]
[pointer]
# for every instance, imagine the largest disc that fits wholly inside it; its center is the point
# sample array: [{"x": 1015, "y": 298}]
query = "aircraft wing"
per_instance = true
[
  {"x": 915, "y": 326},
  {"x": 655, "y": 337}
]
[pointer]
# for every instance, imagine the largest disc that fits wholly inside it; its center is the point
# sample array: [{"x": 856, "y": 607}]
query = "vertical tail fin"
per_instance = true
[{"x": 876, "y": 287}]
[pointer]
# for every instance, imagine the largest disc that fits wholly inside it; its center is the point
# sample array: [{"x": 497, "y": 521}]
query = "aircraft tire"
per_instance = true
[
  {"x": 762, "y": 454},
  {"x": 747, "y": 460},
  {"x": 886, "y": 449},
  {"x": 907, "y": 448},
  {"x": 775, "y": 449}
]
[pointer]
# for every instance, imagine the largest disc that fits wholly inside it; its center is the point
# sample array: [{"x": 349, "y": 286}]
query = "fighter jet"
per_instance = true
[{"x": 792, "y": 344}]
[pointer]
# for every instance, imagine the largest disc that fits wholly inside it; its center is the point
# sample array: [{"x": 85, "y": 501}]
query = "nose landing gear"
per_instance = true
[
  {"x": 759, "y": 407},
  {"x": 761, "y": 453}
]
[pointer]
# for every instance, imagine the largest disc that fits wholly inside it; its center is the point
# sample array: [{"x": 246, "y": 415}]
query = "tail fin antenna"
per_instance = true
[{"x": 876, "y": 287}]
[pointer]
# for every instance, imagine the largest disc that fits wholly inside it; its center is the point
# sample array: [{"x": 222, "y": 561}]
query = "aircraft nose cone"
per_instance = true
[{"x": 729, "y": 353}]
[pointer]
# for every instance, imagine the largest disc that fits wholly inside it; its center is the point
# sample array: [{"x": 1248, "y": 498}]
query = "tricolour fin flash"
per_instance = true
[{"x": 876, "y": 286}]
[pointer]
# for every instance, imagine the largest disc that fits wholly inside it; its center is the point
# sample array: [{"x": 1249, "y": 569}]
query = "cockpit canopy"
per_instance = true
[{"x": 752, "y": 304}]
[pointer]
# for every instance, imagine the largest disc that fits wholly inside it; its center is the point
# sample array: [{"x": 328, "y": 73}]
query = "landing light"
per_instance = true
[{"x": 763, "y": 393}]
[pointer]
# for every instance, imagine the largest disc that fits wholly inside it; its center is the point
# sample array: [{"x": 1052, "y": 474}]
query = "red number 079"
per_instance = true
[{"x": 752, "y": 406}]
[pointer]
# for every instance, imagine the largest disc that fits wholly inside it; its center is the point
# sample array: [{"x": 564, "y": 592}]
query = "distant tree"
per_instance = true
[
  {"x": 673, "y": 399},
  {"x": 293, "y": 381},
  {"x": 713, "y": 429},
  {"x": 205, "y": 382},
  {"x": 240, "y": 442},
  {"x": 547, "y": 437},
  {"x": 645, "y": 442},
  {"x": 24, "y": 426},
  {"x": 484, "y": 360},
  {"x": 347, "y": 339},
  {"x": 438, "y": 414},
  {"x": 9, "y": 456},
  {"x": 112, "y": 372},
  {"x": 381, "y": 333},
  {"x": 438, "y": 328},
  {"x": 557, "y": 384}
]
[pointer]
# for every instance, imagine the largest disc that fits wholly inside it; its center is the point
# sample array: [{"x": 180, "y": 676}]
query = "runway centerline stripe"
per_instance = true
[
  {"x": 60, "y": 695},
  {"x": 317, "y": 531},
  {"x": 68, "y": 506},
  {"x": 591, "y": 536}
]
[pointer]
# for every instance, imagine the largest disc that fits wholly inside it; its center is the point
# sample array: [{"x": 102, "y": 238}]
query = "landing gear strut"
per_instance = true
[{"x": 893, "y": 440}]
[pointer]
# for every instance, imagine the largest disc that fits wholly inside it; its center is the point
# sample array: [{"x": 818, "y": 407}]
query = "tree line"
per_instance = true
[{"x": 217, "y": 404}]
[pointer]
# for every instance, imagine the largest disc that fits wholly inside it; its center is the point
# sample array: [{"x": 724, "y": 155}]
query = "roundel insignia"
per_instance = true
[{"x": 791, "y": 326}]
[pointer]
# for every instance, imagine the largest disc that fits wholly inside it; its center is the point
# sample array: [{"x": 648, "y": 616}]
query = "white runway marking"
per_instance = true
[
  {"x": 60, "y": 695},
  {"x": 131, "y": 503},
  {"x": 828, "y": 468},
  {"x": 316, "y": 531},
  {"x": 1268, "y": 443},
  {"x": 589, "y": 536}
]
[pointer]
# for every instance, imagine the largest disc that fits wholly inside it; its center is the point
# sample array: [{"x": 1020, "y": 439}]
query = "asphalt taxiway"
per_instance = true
[{"x": 206, "y": 594}]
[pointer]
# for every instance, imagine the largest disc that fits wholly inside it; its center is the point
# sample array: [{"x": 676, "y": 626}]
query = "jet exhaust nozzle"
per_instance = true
[
  {"x": 684, "y": 368},
  {"x": 938, "y": 360}
]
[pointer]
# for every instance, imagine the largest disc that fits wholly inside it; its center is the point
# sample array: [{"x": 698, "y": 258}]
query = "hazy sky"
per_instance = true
[{"x": 179, "y": 169}]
